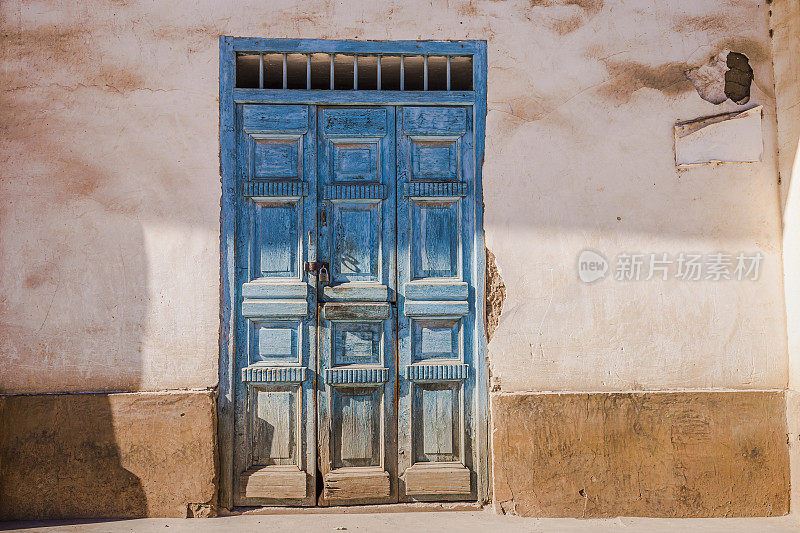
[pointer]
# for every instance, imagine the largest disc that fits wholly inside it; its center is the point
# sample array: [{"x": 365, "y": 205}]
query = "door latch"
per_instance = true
[{"x": 321, "y": 269}]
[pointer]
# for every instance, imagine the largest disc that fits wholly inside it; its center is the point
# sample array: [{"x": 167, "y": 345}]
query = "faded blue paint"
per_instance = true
[
  {"x": 439, "y": 154},
  {"x": 357, "y": 238},
  {"x": 351, "y": 97},
  {"x": 356, "y": 343},
  {"x": 249, "y": 44},
  {"x": 433, "y": 290},
  {"x": 227, "y": 270},
  {"x": 276, "y": 341},
  {"x": 276, "y": 300},
  {"x": 437, "y": 424},
  {"x": 437, "y": 307},
  {"x": 279, "y": 119},
  {"x": 440, "y": 372},
  {"x": 434, "y": 339},
  {"x": 277, "y": 158}
]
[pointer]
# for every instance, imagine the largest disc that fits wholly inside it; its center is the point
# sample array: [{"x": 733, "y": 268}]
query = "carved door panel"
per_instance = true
[
  {"x": 275, "y": 445},
  {"x": 436, "y": 304},
  {"x": 356, "y": 385}
]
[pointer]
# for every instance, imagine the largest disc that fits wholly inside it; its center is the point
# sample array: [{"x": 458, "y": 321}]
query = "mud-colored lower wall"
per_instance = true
[
  {"x": 682, "y": 454},
  {"x": 107, "y": 455},
  {"x": 793, "y": 438}
]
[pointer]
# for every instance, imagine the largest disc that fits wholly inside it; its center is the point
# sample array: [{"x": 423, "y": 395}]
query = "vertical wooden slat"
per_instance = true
[
  {"x": 425, "y": 75},
  {"x": 448, "y": 73},
  {"x": 284, "y": 71},
  {"x": 479, "y": 72},
  {"x": 260, "y": 71},
  {"x": 402, "y": 73},
  {"x": 308, "y": 72},
  {"x": 331, "y": 72},
  {"x": 227, "y": 136},
  {"x": 355, "y": 73},
  {"x": 379, "y": 73}
]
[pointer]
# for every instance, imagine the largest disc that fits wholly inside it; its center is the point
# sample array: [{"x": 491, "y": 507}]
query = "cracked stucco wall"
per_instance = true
[
  {"x": 110, "y": 239},
  {"x": 589, "y": 127}
]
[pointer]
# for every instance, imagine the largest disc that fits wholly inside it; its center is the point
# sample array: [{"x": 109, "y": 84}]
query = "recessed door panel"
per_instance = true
[
  {"x": 356, "y": 241},
  {"x": 278, "y": 238},
  {"x": 357, "y": 426},
  {"x": 434, "y": 159},
  {"x": 277, "y": 342},
  {"x": 275, "y": 425},
  {"x": 435, "y": 238},
  {"x": 277, "y": 157},
  {"x": 437, "y": 427},
  {"x": 435, "y": 339},
  {"x": 357, "y": 343},
  {"x": 355, "y": 161}
]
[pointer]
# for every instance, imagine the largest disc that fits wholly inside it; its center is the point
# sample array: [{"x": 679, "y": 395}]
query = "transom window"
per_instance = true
[{"x": 333, "y": 70}]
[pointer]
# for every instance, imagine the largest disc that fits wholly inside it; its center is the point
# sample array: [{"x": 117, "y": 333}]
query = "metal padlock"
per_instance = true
[{"x": 323, "y": 276}]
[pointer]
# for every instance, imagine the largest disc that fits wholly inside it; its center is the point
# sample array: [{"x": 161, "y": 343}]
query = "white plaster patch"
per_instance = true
[
  {"x": 727, "y": 138},
  {"x": 709, "y": 79}
]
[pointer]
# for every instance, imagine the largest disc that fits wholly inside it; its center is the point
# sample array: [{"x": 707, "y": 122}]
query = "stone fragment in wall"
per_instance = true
[
  {"x": 726, "y": 138},
  {"x": 495, "y": 295},
  {"x": 201, "y": 510}
]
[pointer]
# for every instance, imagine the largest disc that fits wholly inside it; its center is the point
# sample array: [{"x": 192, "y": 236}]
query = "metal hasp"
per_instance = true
[{"x": 320, "y": 268}]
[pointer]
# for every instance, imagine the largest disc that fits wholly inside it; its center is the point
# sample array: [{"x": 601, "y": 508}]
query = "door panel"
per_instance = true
[
  {"x": 436, "y": 306},
  {"x": 435, "y": 238},
  {"x": 277, "y": 237},
  {"x": 275, "y": 454},
  {"x": 355, "y": 239},
  {"x": 357, "y": 423}
]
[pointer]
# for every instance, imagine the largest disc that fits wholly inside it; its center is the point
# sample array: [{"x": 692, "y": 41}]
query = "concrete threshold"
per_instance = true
[
  {"x": 360, "y": 509},
  {"x": 412, "y": 521}
]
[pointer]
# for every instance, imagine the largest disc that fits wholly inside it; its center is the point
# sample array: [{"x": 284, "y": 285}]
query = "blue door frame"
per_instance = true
[{"x": 231, "y": 101}]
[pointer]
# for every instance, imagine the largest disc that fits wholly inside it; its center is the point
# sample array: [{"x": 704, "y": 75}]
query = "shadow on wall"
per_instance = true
[
  {"x": 82, "y": 171},
  {"x": 59, "y": 459},
  {"x": 74, "y": 305}
]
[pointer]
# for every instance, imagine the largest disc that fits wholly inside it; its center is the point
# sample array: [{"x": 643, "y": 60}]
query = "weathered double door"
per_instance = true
[{"x": 355, "y": 349}]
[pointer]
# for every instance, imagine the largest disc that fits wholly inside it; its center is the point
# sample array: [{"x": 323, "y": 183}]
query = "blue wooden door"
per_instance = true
[
  {"x": 359, "y": 377},
  {"x": 356, "y": 413},
  {"x": 276, "y": 336},
  {"x": 436, "y": 304}
]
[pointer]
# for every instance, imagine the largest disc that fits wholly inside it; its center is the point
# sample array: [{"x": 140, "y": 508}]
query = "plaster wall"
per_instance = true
[
  {"x": 109, "y": 231},
  {"x": 785, "y": 44}
]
